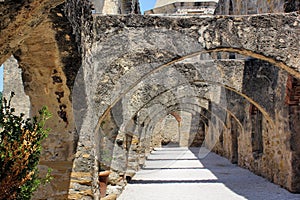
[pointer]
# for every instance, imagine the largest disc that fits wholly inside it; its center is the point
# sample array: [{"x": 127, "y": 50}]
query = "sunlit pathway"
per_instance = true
[{"x": 176, "y": 173}]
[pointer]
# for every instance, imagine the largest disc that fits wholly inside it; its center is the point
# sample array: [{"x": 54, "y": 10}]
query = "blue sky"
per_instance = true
[{"x": 145, "y": 5}]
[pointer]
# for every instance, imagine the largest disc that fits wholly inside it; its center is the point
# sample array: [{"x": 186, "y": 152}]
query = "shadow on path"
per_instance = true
[
  {"x": 177, "y": 174},
  {"x": 242, "y": 181}
]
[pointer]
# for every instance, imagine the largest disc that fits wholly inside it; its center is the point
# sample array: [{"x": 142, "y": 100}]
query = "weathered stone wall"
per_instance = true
[
  {"x": 160, "y": 3},
  {"x": 18, "y": 19},
  {"x": 52, "y": 50},
  {"x": 185, "y": 8},
  {"x": 292, "y": 100},
  {"x": 176, "y": 132},
  {"x": 119, "y": 7},
  {"x": 197, "y": 132},
  {"x": 111, "y": 7},
  {"x": 247, "y": 7},
  {"x": 131, "y": 68},
  {"x": 185, "y": 128},
  {"x": 45, "y": 83},
  {"x": 116, "y": 52},
  {"x": 170, "y": 132},
  {"x": 274, "y": 161},
  {"x": 270, "y": 154},
  {"x": 276, "y": 156}
]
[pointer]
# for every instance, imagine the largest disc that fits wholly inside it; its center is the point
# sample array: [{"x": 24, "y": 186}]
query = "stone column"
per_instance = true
[{"x": 184, "y": 129}]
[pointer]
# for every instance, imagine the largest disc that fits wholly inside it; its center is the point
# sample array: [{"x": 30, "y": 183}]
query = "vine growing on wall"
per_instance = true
[{"x": 20, "y": 150}]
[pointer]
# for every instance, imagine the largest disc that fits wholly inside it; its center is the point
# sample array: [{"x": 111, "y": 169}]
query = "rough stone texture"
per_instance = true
[
  {"x": 118, "y": 7},
  {"x": 260, "y": 83},
  {"x": 238, "y": 7},
  {"x": 131, "y": 71},
  {"x": 274, "y": 161},
  {"x": 136, "y": 70},
  {"x": 170, "y": 131},
  {"x": 19, "y": 19},
  {"x": 185, "y": 8},
  {"x": 45, "y": 83},
  {"x": 239, "y": 35},
  {"x": 46, "y": 51},
  {"x": 160, "y": 3},
  {"x": 174, "y": 131}
]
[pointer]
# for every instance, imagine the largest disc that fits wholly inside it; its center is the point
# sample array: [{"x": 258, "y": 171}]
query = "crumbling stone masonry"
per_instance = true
[{"x": 230, "y": 80}]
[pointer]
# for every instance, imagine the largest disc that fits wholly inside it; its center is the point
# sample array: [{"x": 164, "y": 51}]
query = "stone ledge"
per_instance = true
[
  {"x": 80, "y": 194},
  {"x": 110, "y": 197}
]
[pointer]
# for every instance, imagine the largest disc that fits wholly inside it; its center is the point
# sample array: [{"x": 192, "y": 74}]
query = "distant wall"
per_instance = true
[
  {"x": 244, "y": 7},
  {"x": 13, "y": 83}
]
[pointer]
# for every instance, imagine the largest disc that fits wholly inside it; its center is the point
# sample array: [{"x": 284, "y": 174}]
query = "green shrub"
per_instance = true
[{"x": 20, "y": 150}]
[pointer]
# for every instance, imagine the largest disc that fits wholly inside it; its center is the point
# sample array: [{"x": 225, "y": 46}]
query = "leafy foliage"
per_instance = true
[{"x": 20, "y": 149}]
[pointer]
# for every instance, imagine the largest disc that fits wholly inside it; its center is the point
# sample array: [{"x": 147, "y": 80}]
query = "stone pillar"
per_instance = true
[
  {"x": 116, "y": 6},
  {"x": 184, "y": 129},
  {"x": 111, "y": 7},
  {"x": 197, "y": 134}
]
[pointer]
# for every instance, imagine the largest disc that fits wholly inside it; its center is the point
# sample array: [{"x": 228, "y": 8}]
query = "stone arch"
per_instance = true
[
  {"x": 229, "y": 88},
  {"x": 177, "y": 96},
  {"x": 158, "y": 68},
  {"x": 213, "y": 34},
  {"x": 244, "y": 39},
  {"x": 151, "y": 121},
  {"x": 130, "y": 128},
  {"x": 227, "y": 152},
  {"x": 231, "y": 49},
  {"x": 144, "y": 152},
  {"x": 182, "y": 106},
  {"x": 196, "y": 81},
  {"x": 173, "y": 103}
]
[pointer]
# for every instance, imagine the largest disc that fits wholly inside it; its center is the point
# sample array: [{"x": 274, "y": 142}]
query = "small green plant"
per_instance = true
[{"x": 20, "y": 150}]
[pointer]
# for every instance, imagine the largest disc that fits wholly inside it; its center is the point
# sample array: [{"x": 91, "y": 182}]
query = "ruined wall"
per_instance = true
[
  {"x": 248, "y": 7},
  {"x": 160, "y": 3},
  {"x": 50, "y": 59},
  {"x": 253, "y": 142},
  {"x": 132, "y": 61},
  {"x": 264, "y": 148},
  {"x": 18, "y": 19},
  {"x": 185, "y": 128},
  {"x": 120, "y": 7},
  {"x": 170, "y": 132},
  {"x": 70, "y": 38},
  {"x": 292, "y": 101},
  {"x": 274, "y": 159},
  {"x": 185, "y": 8},
  {"x": 239, "y": 7}
]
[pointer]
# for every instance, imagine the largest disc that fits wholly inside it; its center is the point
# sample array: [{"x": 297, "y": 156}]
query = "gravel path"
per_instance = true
[{"x": 177, "y": 174}]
